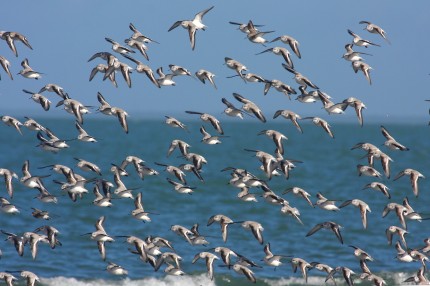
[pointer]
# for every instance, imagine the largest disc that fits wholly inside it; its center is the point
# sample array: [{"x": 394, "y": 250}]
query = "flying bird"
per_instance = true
[{"x": 192, "y": 25}]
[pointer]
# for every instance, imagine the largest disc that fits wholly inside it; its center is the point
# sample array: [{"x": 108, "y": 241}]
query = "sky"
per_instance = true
[{"x": 65, "y": 34}]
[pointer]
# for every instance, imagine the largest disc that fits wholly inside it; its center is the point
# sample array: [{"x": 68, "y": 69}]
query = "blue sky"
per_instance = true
[{"x": 65, "y": 34}]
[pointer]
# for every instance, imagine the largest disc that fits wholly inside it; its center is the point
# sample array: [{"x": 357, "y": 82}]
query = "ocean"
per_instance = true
[{"x": 323, "y": 165}]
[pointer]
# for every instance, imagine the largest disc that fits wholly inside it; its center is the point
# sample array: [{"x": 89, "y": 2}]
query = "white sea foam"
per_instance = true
[{"x": 195, "y": 280}]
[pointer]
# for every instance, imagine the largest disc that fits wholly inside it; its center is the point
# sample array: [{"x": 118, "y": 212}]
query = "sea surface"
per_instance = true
[{"x": 326, "y": 165}]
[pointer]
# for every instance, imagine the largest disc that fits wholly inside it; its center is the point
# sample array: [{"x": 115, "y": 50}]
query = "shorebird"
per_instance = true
[
  {"x": 419, "y": 278},
  {"x": 414, "y": 175},
  {"x": 303, "y": 265},
  {"x": 358, "y": 41},
  {"x": 207, "y": 117},
  {"x": 346, "y": 273},
  {"x": 374, "y": 29},
  {"x": 101, "y": 236},
  {"x": 280, "y": 51},
  {"x": 363, "y": 206},
  {"x": 168, "y": 257},
  {"x": 108, "y": 57},
  {"x": 293, "y": 43},
  {"x": 299, "y": 78},
  {"x": 181, "y": 188},
  {"x": 102, "y": 68},
  {"x": 75, "y": 185},
  {"x": 12, "y": 122},
  {"x": 288, "y": 114},
  {"x": 246, "y": 196},
  {"x": 224, "y": 221},
  {"x": 208, "y": 138},
  {"x": 7, "y": 207},
  {"x": 52, "y": 143},
  {"x": 400, "y": 211},
  {"x": 209, "y": 259},
  {"x": 172, "y": 270},
  {"x": 142, "y": 68},
  {"x": 130, "y": 159},
  {"x": 28, "y": 72},
  {"x": 358, "y": 107},
  {"x": 138, "y": 45},
  {"x": 235, "y": 65},
  {"x": 272, "y": 259},
  {"x": 204, "y": 75},
  {"x": 32, "y": 124},
  {"x": 410, "y": 213},
  {"x": 277, "y": 138},
  {"x": 30, "y": 181},
  {"x": 196, "y": 238},
  {"x": 330, "y": 106},
  {"x": 307, "y": 97},
  {"x": 426, "y": 248},
  {"x": 139, "y": 212},
  {"x": 52, "y": 87},
  {"x": 361, "y": 254},
  {"x": 121, "y": 114},
  {"x": 183, "y": 232},
  {"x": 391, "y": 143},
  {"x": 40, "y": 214},
  {"x": 6, "y": 66},
  {"x": 364, "y": 67},
  {"x": 179, "y": 70},
  {"x": 192, "y": 25},
  {"x": 117, "y": 47},
  {"x": 18, "y": 241},
  {"x": 121, "y": 190},
  {"x": 269, "y": 162},
  {"x": 8, "y": 177},
  {"x": 279, "y": 86},
  {"x": 8, "y": 278},
  {"x": 125, "y": 69},
  {"x": 34, "y": 239},
  {"x": 329, "y": 225},
  {"x": 322, "y": 123},
  {"x": 251, "y": 107},
  {"x": 45, "y": 197},
  {"x": 85, "y": 165},
  {"x": 391, "y": 230},
  {"x": 323, "y": 268},
  {"x": 175, "y": 171},
  {"x": 178, "y": 144},
  {"x": 241, "y": 269},
  {"x": 256, "y": 229},
  {"x": 74, "y": 107},
  {"x": 30, "y": 277},
  {"x": 300, "y": 193},
  {"x": 243, "y": 27},
  {"x": 83, "y": 135},
  {"x": 403, "y": 255},
  {"x": 100, "y": 200},
  {"x": 165, "y": 79},
  {"x": 231, "y": 110},
  {"x": 171, "y": 121},
  {"x": 11, "y": 37},
  {"x": 116, "y": 269},
  {"x": 367, "y": 171},
  {"x": 225, "y": 254},
  {"x": 351, "y": 55},
  {"x": 138, "y": 36},
  {"x": 250, "y": 77},
  {"x": 256, "y": 36},
  {"x": 377, "y": 186}
]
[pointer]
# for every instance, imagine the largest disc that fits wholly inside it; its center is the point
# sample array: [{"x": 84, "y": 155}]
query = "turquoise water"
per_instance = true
[{"x": 328, "y": 166}]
